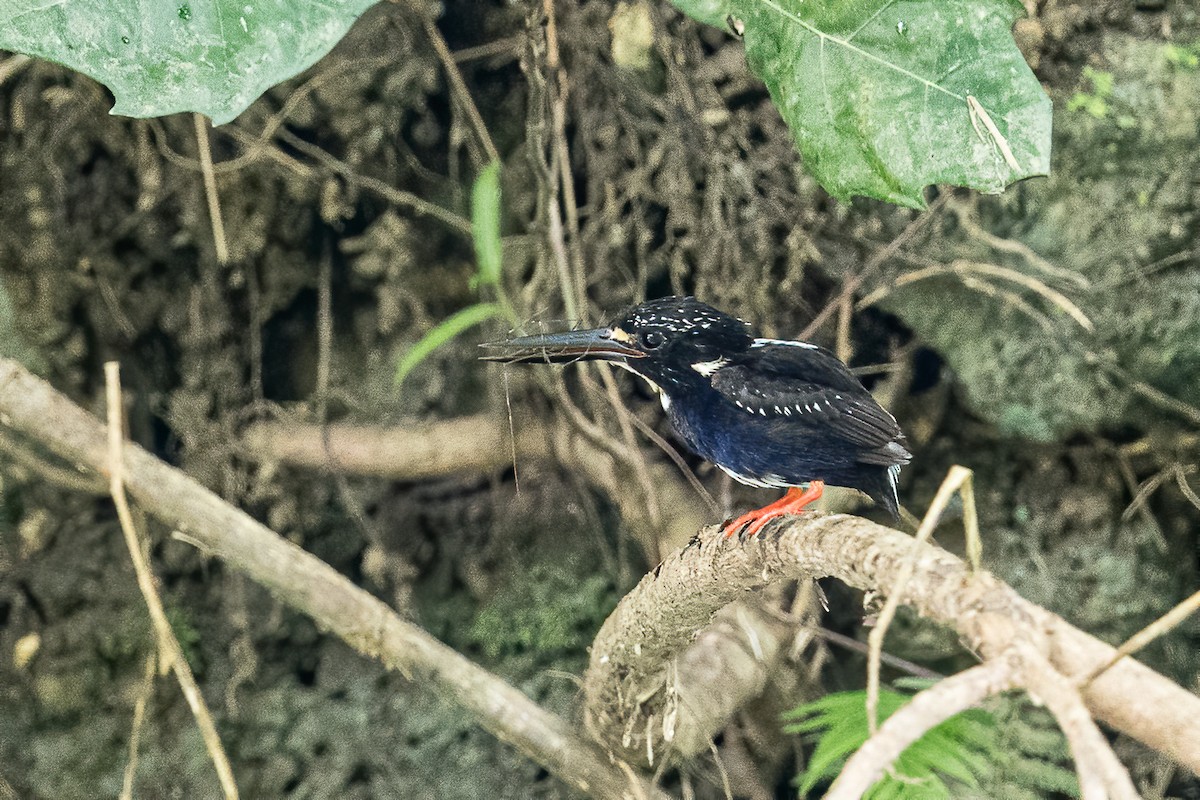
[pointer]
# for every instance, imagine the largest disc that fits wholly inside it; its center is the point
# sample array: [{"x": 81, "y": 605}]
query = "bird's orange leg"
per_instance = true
[{"x": 791, "y": 503}]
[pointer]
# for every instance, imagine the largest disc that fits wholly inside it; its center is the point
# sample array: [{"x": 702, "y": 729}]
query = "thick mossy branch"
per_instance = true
[
  {"x": 32, "y": 407},
  {"x": 656, "y": 622}
]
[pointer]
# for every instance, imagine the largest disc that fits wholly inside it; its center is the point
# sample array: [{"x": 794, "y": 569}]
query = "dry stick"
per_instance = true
[
  {"x": 1156, "y": 396},
  {"x": 658, "y": 620},
  {"x": 1101, "y": 775},
  {"x": 855, "y": 646},
  {"x": 561, "y": 160},
  {"x": 390, "y": 193},
  {"x": 845, "y": 347},
  {"x": 1159, "y": 627},
  {"x": 210, "y": 188},
  {"x": 875, "y": 262},
  {"x": 30, "y": 405},
  {"x": 500, "y": 47},
  {"x": 979, "y": 114},
  {"x": 967, "y": 214},
  {"x": 64, "y": 476},
  {"x": 925, "y": 711},
  {"x": 956, "y": 477},
  {"x": 1188, "y": 492},
  {"x": 678, "y": 460},
  {"x": 167, "y": 643},
  {"x": 135, "y": 732},
  {"x": 458, "y": 88},
  {"x": 963, "y": 267},
  {"x": 474, "y": 444},
  {"x": 633, "y": 454}
]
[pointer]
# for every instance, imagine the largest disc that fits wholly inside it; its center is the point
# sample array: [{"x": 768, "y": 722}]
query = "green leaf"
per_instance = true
[
  {"x": 446, "y": 330},
  {"x": 710, "y": 12},
  {"x": 885, "y": 97},
  {"x": 485, "y": 224},
  {"x": 211, "y": 56},
  {"x": 960, "y": 748}
]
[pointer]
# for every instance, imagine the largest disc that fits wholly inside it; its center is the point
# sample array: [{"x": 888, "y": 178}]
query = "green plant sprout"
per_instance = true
[
  {"x": 489, "y": 258},
  {"x": 1183, "y": 56},
  {"x": 952, "y": 760},
  {"x": 1094, "y": 102}
]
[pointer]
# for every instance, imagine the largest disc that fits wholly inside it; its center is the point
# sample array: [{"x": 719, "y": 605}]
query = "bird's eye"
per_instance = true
[{"x": 652, "y": 340}]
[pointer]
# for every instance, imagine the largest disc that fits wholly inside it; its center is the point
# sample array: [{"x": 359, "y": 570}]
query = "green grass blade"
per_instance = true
[
  {"x": 446, "y": 330},
  {"x": 485, "y": 224}
]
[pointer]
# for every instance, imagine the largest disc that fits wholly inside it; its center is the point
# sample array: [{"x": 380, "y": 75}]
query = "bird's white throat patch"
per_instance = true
[{"x": 707, "y": 368}]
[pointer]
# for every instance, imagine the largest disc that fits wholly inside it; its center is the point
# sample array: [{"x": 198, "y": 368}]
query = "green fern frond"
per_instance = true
[
  {"x": 957, "y": 750},
  {"x": 1013, "y": 750}
]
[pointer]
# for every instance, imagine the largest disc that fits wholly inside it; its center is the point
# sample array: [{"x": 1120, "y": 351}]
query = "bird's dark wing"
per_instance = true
[{"x": 811, "y": 388}]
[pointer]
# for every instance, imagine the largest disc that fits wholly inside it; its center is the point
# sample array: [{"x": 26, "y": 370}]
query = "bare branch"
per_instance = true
[
  {"x": 1160, "y": 627},
  {"x": 30, "y": 405},
  {"x": 1101, "y": 776},
  {"x": 465, "y": 445},
  {"x": 926, "y": 710},
  {"x": 664, "y": 613}
]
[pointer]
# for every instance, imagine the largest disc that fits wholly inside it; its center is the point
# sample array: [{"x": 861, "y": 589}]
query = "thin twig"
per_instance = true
[
  {"x": 716, "y": 754},
  {"x": 854, "y": 645},
  {"x": 978, "y": 112},
  {"x": 135, "y": 728},
  {"x": 210, "y": 188},
  {"x": 570, "y": 268},
  {"x": 962, "y": 267},
  {"x": 1145, "y": 390},
  {"x": 393, "y": 195},
  {"x": 1181, "y": 473},
  {"x": 925, "y": 711},
  {"x": 167, "y": 643},
  {"x": 967, "y": 214},
  {"x": 500, "y": 47},
  {"x": 875, "y": 262},
  {"x": 678, "y": 460},
  {"x": 956, "y": 477},
  {"x": 458, "y": 89},
  {"x": 1156, "y": 629}
]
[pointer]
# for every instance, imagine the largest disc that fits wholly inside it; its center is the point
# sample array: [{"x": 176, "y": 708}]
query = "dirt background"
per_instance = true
[{"x": 685, "y": 180}]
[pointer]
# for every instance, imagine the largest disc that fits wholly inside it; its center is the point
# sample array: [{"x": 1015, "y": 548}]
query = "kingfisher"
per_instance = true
[{"x": 772, "y": 413}]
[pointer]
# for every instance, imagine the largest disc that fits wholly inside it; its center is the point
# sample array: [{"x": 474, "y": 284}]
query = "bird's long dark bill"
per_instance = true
[{"x": 559, "y": 348}]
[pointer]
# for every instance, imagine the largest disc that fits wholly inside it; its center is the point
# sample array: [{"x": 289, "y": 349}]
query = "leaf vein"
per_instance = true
[
  {"x": 848, "y": 45},
  {"x": 871, "y": 19}
]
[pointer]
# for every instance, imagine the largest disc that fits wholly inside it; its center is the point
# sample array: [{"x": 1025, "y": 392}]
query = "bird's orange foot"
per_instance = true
[{"x": 791, "y": 503}]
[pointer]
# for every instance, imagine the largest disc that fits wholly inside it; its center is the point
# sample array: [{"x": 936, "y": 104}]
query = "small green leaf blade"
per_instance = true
[
  {"x": 211, "y": 56},
  {"x": 878, "y": 93},
  {"x": 960, "y": 748},
  {"x": 443, "y": 332},
  {"x": 485, "y": 224}
]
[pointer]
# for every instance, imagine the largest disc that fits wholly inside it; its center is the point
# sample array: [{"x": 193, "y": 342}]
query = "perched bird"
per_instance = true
[{"x": 769, "y": 412}]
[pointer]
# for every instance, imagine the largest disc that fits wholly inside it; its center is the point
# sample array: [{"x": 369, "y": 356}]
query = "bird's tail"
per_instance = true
[{"x": 885, "y": 491}]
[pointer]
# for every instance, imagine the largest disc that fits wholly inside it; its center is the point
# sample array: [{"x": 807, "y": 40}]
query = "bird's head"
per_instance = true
[{"x": 671, "y": 342}]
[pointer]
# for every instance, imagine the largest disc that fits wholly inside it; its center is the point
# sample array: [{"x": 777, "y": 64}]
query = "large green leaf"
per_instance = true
[
  {"x": 211, "y": 56},
  {"x": 885, "y": 97}
]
